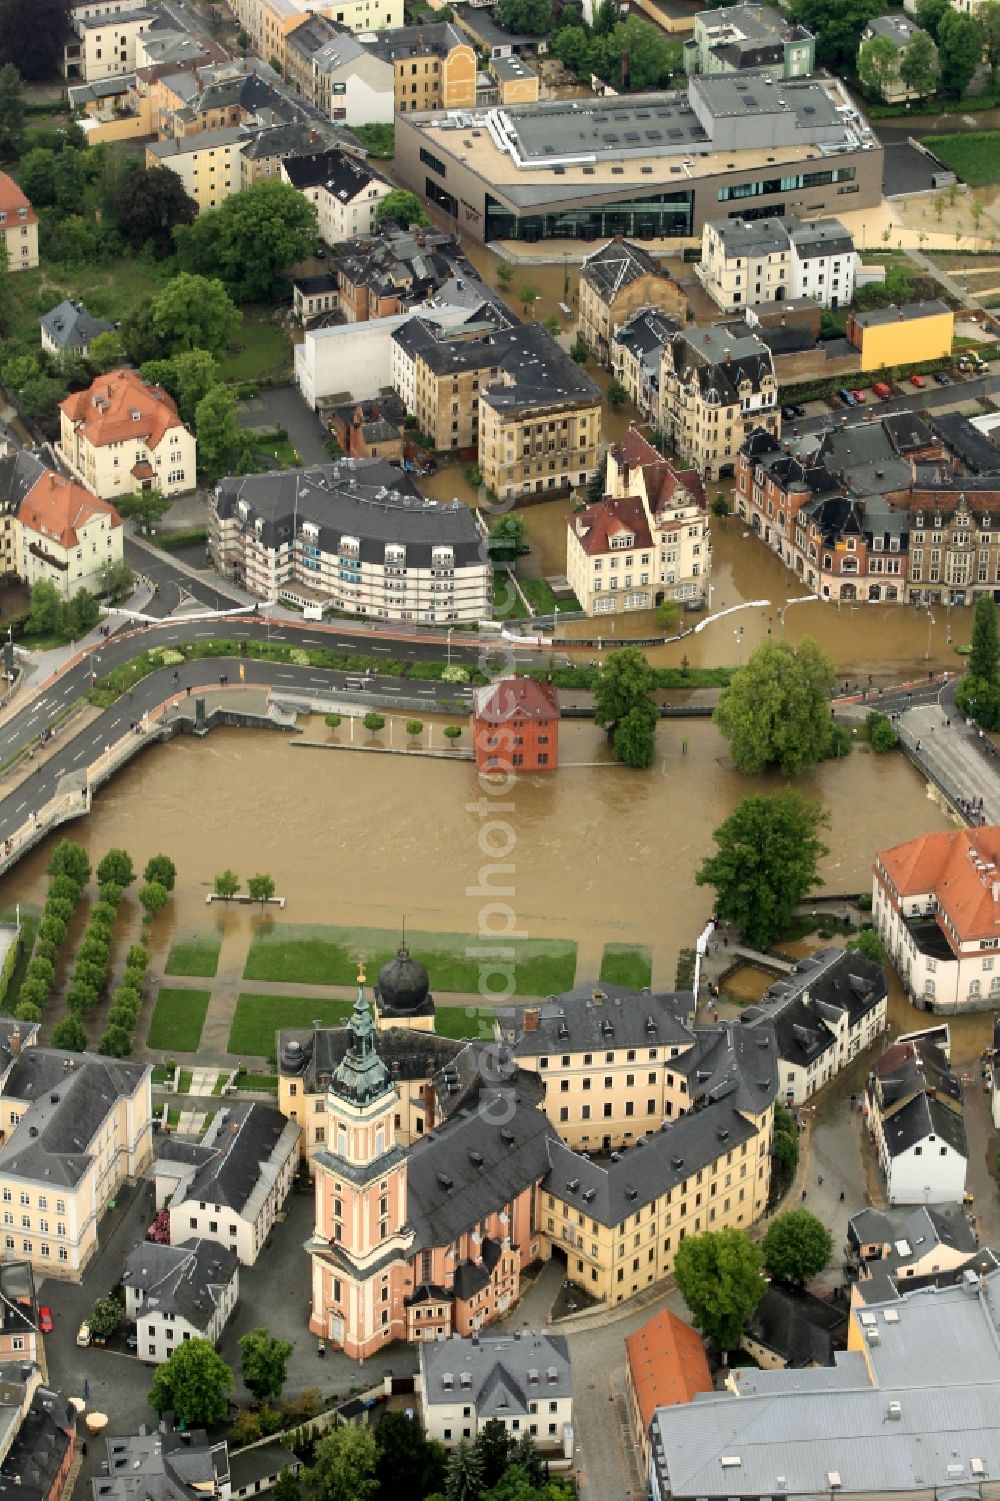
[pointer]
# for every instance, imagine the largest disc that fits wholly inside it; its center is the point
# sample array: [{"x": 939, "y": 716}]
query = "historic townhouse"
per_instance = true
[
  {"x": 616, "y": 282},
  {"x": 716, "y": 385},
  {"x": 345, "y": 191},
  {"x": 434, "y": 66},
  {"x": 123, "y": 434},
  {"x": 913, "y": 1109},
  {"x": 955, "y": 539},
  {"x": 103, "y": 39},
  {"x": 636, "y": 354},
  {"x": 52, "y": 528},
  {"x": 18, "y": 226},
  {"x": 749, "y": 262}
]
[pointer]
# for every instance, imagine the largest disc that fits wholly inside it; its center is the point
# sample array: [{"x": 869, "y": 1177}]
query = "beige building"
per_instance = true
[
  {"x": 208, "y": 163},
  {"x": 64, "y": 535},
  {"x": 617, "y": 281},
  {"x": 345, "y": 191},
  {"x": 123, "y": 435},
  {"x": 103, "y": 38},
  {"x": 460, "y": 1380},
  {"x": 716, "y": 385},
  {"x": 434, "y": 67},
  {"x": 18, "y": 226},
  {"x": 900, "y": 31}
]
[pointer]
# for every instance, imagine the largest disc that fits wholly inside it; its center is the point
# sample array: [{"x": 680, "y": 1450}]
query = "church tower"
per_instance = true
[{"x": 361, "y": 1239}]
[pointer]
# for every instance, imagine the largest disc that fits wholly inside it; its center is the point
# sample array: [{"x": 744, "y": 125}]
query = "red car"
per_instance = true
[
  {"x": 918, "y": 381},
  {"x": 45, "y": 1324},
  {"x": 859, "y": 397},
  {"x": 882, "y": 390}
]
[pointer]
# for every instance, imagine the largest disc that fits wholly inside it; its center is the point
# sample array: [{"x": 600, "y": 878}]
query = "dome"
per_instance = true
[{"x": 403, "y": 984}]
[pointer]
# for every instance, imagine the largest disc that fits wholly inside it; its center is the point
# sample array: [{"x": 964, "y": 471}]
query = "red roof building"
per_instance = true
[
  {"x": 515, "y": 726},
  {"x": 665, "y": 1364}
]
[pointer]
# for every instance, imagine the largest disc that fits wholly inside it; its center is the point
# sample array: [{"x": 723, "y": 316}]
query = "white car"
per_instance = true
[{"x": 83, "y": 1334}]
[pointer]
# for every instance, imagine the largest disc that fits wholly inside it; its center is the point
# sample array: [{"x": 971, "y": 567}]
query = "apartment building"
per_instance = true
[
  {"x": 440, "y": 374},
  {"x": 208, "y": 163},
  {"x": 716, "y": 385},
  {"x": 103, "y": 38},
  {"x": 905, "y": 335},
  {"x": 745, "y": 263},
  {"x": 178, "y": 1292},
  {"x": 38, "y": 1447},
  {"x": 66, "y": 536},
  {"x": 523, "y": 1381},
  {"x": 615, "y": 283},
  {"x": 356, "y": 536},
  {"x": 434, "y": 66},
  {"x": 345, "y": 191},
  {"x": 77, "y": 1128},
  {"x": 385, "y": 274},
  {"x": 339, "y": 74},
  {"x": 20, "y": 1337},
  {"x": 18, "y": 225},
  {"x": 123, "y": 434},
  {"x": 636, "y": 353},
  {"x": 900, "y": 31},
  {"x": 914, "y": 1117},
  {"x": 894, "y": 1250},
  {"x": 515, "y": 726},
  {"x": 173, "y": 1463},
  {"x": 751, "y": 38}
]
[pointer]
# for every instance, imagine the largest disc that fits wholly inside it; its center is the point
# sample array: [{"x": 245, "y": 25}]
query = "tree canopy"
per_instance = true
[
  {"x": 918, "y": 67},
  {"x": 273, "y": 217},
  {"x": 222, "y": 443},
  {"x": 719, "y": 1277},
  {"x": 343, "y": 1467},
  {"x": 32, "y": 34},
  {"x": 11, "y": 112},
  {"x": 776, "y": 709},
  {"x": 149, "y": 205},
  {"x": 194, "y": 313},
  {"x": 264, "y": 1362},
  {"x": 624, "y": 707},
  {"x": 878, "y": 64},
  {"x": 835, "y": 27},
  {"x": 960, "y": 47},
  {"x": 193, "y": 1383},
  {"x": 797, "y": 1246},
  {"x": 403, "y": 207},
  {"x": 187, "y": 376}
]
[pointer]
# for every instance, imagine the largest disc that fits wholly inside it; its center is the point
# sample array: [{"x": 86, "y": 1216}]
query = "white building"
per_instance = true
[
  {"x": 345, "y": 191},
  {"x": 914, "y": 1113},
  {"x": 744, "y": 263},
  {"x": 103, "y": 37},
  {"x": 524, "y": 1381},
  {"x": 68, "y": 326},
  {"x": 175, "y": 1293},
  {"x": 230, "y": 1188}
]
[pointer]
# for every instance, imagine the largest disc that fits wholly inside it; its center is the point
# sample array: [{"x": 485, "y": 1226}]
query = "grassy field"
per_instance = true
[
  {"x": 178, "y": 1020},
  {"x": 539, "y": 594},
  {"x": 329, "y": 956},
  {"x": 622, "y": 964},
  {"x": 975, "y": 157},
  {"x": 195, "y": 956},
  {"x": 258, "y": 1017},
  {"x": 459, "y": 1021},
  {"x": 265, "y": 351}
]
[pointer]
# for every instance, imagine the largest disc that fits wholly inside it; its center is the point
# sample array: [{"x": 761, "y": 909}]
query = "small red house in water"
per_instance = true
[{"x": 515, "y": 726}]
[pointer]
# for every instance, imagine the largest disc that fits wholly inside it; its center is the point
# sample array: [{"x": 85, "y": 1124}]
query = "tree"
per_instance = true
[
  {"x": 106, "y": 352},
  {"x": 105, "y": 1316},
  {"x": 882, "y": 734},
  {"x": 529, "y": 17},
  {"x": 32, "y": 34},
  {"x": 403, "y": 208},
  {"x": 835, "y": 27},
  {"x": 373, "y": 722},
  {"x": 195, "y": 312},
  {"x": 452, "y": 732},
  {"x": 264, "y": 1361},
  {"x": 188, "y": 377},
  {"x": 139, "y": 337},
  {"x": 162, "y": 870},
  {"x": 506, "y": 539},
  {"x": 878, "y": 65},
  {"x": 221, "y": 440},
  {"x": 624, "y": 708},
  {"x": 117, "y": 581},
  {"x": 150, "y": 204},
  {"x": 343, "y": 1467},
  {"x": 918, "y": 67},
  {"x": 69, "y": 1035},
  {"x": 776, "y": 711},
  {"x": 960, "y": 47},
  {"x": 464, "y": 1475},
  {"x": 406, "y": 1463},
  {"x": 69, "y": 181},
  {"x": 39, "y": 402},
  {"x": 273, "y": 217},
  {"x": 668, "y": 613},
  {"x": 868, "y": 943},
  {"x": 578, "y": 351},
  {"x": 765, "y": 863},
  {"x": 81, "y": 613},
  {"x": 797, "y": 1246},
  {"x": 260, "y": 888},
  {"x": 505, "y": 273},
  {"x": 153, "y": 898},
  {"x": 930, "y": 14},
  {"x": 634, "y": 739},
  {"x": 719, "y": 1277},
  {"x": 44, "y": 610},
  {"x": 193, "y": 1384},
  {"x": 984, "y": 654},
  {"x": 988, "y": 16},
  {"x": 332, "y": 721},
  {"x": 11, "y": 113},
  {"x": 527, "y": 297},
  {"x": 116, "y": 866},
  {"x": 227, "y": 884},
  {"x": 617, "y": 394},
  {"x": 493, "y": 1445},
  {"x": 286, "y": 1487},
  {"x": 70, "y": 859}
]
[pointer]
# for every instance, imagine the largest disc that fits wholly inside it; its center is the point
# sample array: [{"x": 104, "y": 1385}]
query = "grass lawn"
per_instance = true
[
  {"x": 506, "y": 600},
  {"x": 457, "y": 1021},
  {"x": 329, "y": 956},
  {"x": 161, "y": 1075},
  {"x": 258, "y": 1082},
  {"x": 538, "y": 593},
  {"x": 196, "y": 956},
  {"x": 109, "y": 292},
  {"x": 178, "y": 1020},
  {"x": 258, "y": 1017},
  {"x": 260, "y": 351},
  {"x": 623, "y": 964},
  {"x": 281, "y": 449},
  {"x": 29, "y": 932},
  {"x": 184, "y": 1081},
  {"x": 975, "y": 157}
]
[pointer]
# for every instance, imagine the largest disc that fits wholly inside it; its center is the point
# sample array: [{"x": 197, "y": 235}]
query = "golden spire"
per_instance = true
[{"x": 361, "y": 972}]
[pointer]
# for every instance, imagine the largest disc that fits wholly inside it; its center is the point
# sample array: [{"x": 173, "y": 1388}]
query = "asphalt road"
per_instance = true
[{"x": 929, "y": 400}]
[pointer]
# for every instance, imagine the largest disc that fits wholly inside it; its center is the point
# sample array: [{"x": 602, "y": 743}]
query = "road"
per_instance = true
[{"x": 932, "y": 398}]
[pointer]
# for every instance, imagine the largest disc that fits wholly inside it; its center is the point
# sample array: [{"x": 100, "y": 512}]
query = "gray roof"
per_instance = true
[
  {"x": 436, "y": 39},
  {"x": 203, "y": 140},
  {"x": 901, "y": 314},
  {"x": 805, "y": 1006},
  {"x": 35, "y": 1461},
  {"x": 69, "y": 1097},
  {"x": 753, "y": 237},
  {"x": 818, "y": 237},
  {"x": 70, "y": 325},
  {"x": 242, "y": 1138},
  {"x": 162, "y": 1465},
  {"x": 898, "y": 29},
  {"x": 801, "y": 1329},
  {"x": 615, "y": 266},
  {"x": 539, "y": 371},
  {"x": 910, "y": 1232},
  {"x": 720, "y": 359},
  {"x": 408, "y": 1054},
  {"x": 645, "y": 332},
  {"x": 499, "y": 1376},
  {"x": 185, "y": 1280},
  {"x": 920, "y": 1117},
  {"x": 591, "y": 1018},
  {"x": 978, "y": 453}
]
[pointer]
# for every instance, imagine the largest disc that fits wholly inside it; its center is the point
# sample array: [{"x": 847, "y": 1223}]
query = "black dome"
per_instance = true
[{"x": 403, "y": 984}]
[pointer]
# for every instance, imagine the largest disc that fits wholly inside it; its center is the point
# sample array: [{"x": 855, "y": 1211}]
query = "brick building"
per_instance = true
[{"x": 515, "y": 726}]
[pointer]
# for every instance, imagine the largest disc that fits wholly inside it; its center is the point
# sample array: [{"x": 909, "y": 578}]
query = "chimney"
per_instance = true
[
  {"x": 728, "y": 357},
  {"x": 15, "y": 1043},
  {"x": 428, "y": 1097},
  {"x": 531, "y": 1017}
]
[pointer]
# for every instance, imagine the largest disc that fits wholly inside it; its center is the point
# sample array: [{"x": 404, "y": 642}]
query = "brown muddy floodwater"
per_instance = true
[{"x": 600, "y": 854}]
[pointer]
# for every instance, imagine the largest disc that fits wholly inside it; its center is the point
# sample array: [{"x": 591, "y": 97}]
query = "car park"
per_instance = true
[
  {"x": 918, "y": 381},
  {"x": 882, "y": 390},
  {"x": 45, "y": 1324}
]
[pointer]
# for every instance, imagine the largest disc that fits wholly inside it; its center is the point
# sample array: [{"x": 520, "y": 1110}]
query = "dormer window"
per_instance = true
[
  {"x": 350, "y": 545},
  {"x": 135, "y": 414},
  {"x": 395, "y": 555},
  {"x": 623, "y": 540}
]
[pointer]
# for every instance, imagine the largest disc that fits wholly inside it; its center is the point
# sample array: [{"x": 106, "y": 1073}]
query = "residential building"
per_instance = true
[
  {"x": 434, "y": 66},
  {"x": 370, "y": 429},
  {"x": 37, "y": 1435},
  {"x": 515, "y": 726},
  {"x": 914, "y": 1117},
  {"x": 665, "y": 1363},
  {"x": 169, "y": 1463},
  {"x": 394, "y": 270},
  {"x": 995, "y": 1075},
  {"x": 791, "y": 1329},
  {"x": 77, "y": 1128},
  {"x": 511, "y": 81},
  {"x": 936, "y": 909},
  {"x": 636, "y": 353},
  {"x": 439, "y": 372},
  {"x": 894, "y": 1250},
  {"x": 18, "y": 225},
  {"x": 716, "y": 385},
  {"x": 279, "y": 19},
  {"x": 610, "y": 555},
  {"x": 232, "y": 1186},
  {"x": 615, "y": 283},
  {"x": 314, "y": 296},
  {"x": 357, "y": 537},
  {"x": 20, "y": 1337},
  {"x": 69, "y": 326},
  {"x": 900, "y": 31},
  {"x": 915, "y": 1396},
  {"x": 339, "y": 74},
  {"x": 646, "y": 166},
  {"x": 749, "y": 38},
  {"x": 748, "y": 262},
  {"x": 103, "y": 39},
  {"x": 833, "y": 1006},
  {"x": 208, "y": 163},
  {"x": 178, "y": 1292},
  {"x": 522, "y": 1381},
  {"x": 66, "y": 536},
  {"x": 906, "y": 335},
  {"x": 123, "y": 434},
  {"x": 345, "y": 191}
]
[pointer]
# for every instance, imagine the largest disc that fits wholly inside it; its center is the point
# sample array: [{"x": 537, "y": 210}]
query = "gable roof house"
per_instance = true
[
  {"x": 178, "y": 1292},
  {"x": 123, "y": 434},
  {"x": 615, "y": 282},
  {"x": 716, "y": 385},
  {"x": 522, "y": 1381},
  {"x": 70, "y": 326},
  {"x": 914, "y": 1115}
]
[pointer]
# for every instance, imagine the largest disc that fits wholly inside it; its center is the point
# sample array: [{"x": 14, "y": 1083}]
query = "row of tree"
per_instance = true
[
  {"x": 68, "y": 871},
  {"x": 943, "y": 54},
  {"x": 978, "y": 694},
  {"x": 227, "y": 884}
]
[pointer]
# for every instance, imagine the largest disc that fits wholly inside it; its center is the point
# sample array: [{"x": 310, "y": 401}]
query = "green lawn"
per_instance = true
[
  {"x": 329, "y": 956},
  {"x": 258, "y": 1017},
  {"x": 109, "y": 292},
  {"x": 538, "y": 593},
  {"x": 194, "y": 956},
  {"x": 260, "y": 351},
  {"x": 623, "y": 964},
  {"x": 29, "y": 932},
  {"x": 178, "y": 1020},
  {"x": 975, "y": 156},
  {"x": 458, "y": 1021}
]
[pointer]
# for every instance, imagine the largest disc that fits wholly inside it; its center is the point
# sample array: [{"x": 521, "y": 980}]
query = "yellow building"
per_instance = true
[
  {"x": 123, "y": 435},
  {"x": 18, "y": 226},
  {"x": 208, "y": 163},
  {"x": 717, "y": 384},
  {"x": 615, "y": 282},
  {"x": 516, "y": 82},
  {"x": 271, "y": 22},
  {"x": 434, "y": 67},
  {"x": 905, "y": 335}
]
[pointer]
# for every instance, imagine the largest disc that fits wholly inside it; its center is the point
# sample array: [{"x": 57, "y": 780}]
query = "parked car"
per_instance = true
[
  {"x": 45, "y": 1324},
  {"x": 859, "y": 397},
  {"x": 942, "y": 377},
  {"x": 972, "y": 362},
  {"x": 83, "y": 1334},
  {"x": 882, "y": 390},
  {"x": 132, "y": 1340},
  {"x": 918, "y": 381},
  {"x": 799, "y": 411},
  {"x": 788, "y": 413},
  {"x": 846, "y": 397}
]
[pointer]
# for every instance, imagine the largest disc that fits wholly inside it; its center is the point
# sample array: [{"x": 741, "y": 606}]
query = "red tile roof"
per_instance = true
[
  {"x": 105, "y": 411},
  {"x": 667, "y": 1362},
  {"x": 962, "y": 870},
  {"x": 55, "y": 507},
  {"x": 595, "y": 525},
  {"x": 634, "y": 450},
  {"x": 509, "y": 697},
  {"x": 661, "y": 478},
  {"x": 12, "y": 199}
]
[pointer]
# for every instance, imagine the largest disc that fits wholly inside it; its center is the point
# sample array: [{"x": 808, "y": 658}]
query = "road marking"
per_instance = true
[
  {"x": 204, "y": 633},
  {"x": 79, "y": 756},
  {"x": 288, "y": 676},
  {"x": 386, "y": 688},
  {"x": 386, "y": 649},
  {"x": 311, "y": 641}
]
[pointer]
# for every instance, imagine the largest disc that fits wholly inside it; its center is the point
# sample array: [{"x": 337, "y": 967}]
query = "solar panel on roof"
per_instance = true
[{"x": 654, "y": 135}]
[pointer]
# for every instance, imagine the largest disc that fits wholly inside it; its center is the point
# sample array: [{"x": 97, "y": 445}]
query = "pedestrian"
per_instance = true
[
  {"x": 819, "y": 1179},
  {"x": 842, "y": 1196}
]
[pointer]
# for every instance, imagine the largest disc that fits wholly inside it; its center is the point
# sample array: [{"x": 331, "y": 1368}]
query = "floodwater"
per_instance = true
[{"x": 599, "y": 853}]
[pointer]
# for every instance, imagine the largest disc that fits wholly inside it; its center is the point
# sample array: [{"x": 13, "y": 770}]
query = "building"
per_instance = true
[
  {"x": 357, "y": 537},
  {"x": 232, "y": 1186},
  {"x": 70, "y": 326},
  {"x": 345, "y": 191},
  {"x": 716, "y": 385},
  {"x": 103, "y": 39},
  {"x": 19, "y": 225},
  {"x": 178, "y": 1292},
  {"x": 370, "y": 429},
  {"x": 636, "y": 353},
  {"x": 522, "y": 1381},
  {"x": 340, "y": 75},
  {"x": 20, "y": 1337},
  {"x": 646, "y": 166},
  {"x": 515, "y": 726},
  {"x": 665, "y": 1364},
  {"x": 906, "y": 335},
  {"x": 749, "y": 38},
  {"x": 914, "y": 1116},
  {"x": 915, "y": 1397},
  {"x": 748, "y": 262},
  {"x": 434, "y": 66},
  {"x": 37, "y": 1435},
  {"x": 169, "y": 1463},
  {"x": 935, "y": 907},
  {"x": 208, "y": 163},
  {"x": 123, "y": 434},
  {"x": 900, "y": 31},
  {"x": 394, "y": 270},
  {"x": 790, "y": 1329},
  {"x": 833, "y": 1006},
  {"x": 77, "y": 1129},
  {"x": 509, "y": 81},
  {"x": 615, "y": 283},
  {"x": 66, "y": 536},
  {"x": 892, "y": 1251}
]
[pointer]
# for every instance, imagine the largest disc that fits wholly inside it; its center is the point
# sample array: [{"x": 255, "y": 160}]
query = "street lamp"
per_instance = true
[
  {"x": 931, "y": 622},
  {"x": 450, "y": 628},
  {"x": 738, "y": 637}
]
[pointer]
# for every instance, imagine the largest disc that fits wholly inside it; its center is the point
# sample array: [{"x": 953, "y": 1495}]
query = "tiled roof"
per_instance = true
[
  {"x": 509, "y": 697},
  {"x": 667, "y": 1362},
  {"x": 596, "y": 526},
  {"x": 55, "y": 507},
  {"x": 960, "y": 868},
  {"x": 119, "y": 406},
  {"x": 12, "y": 199}
]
